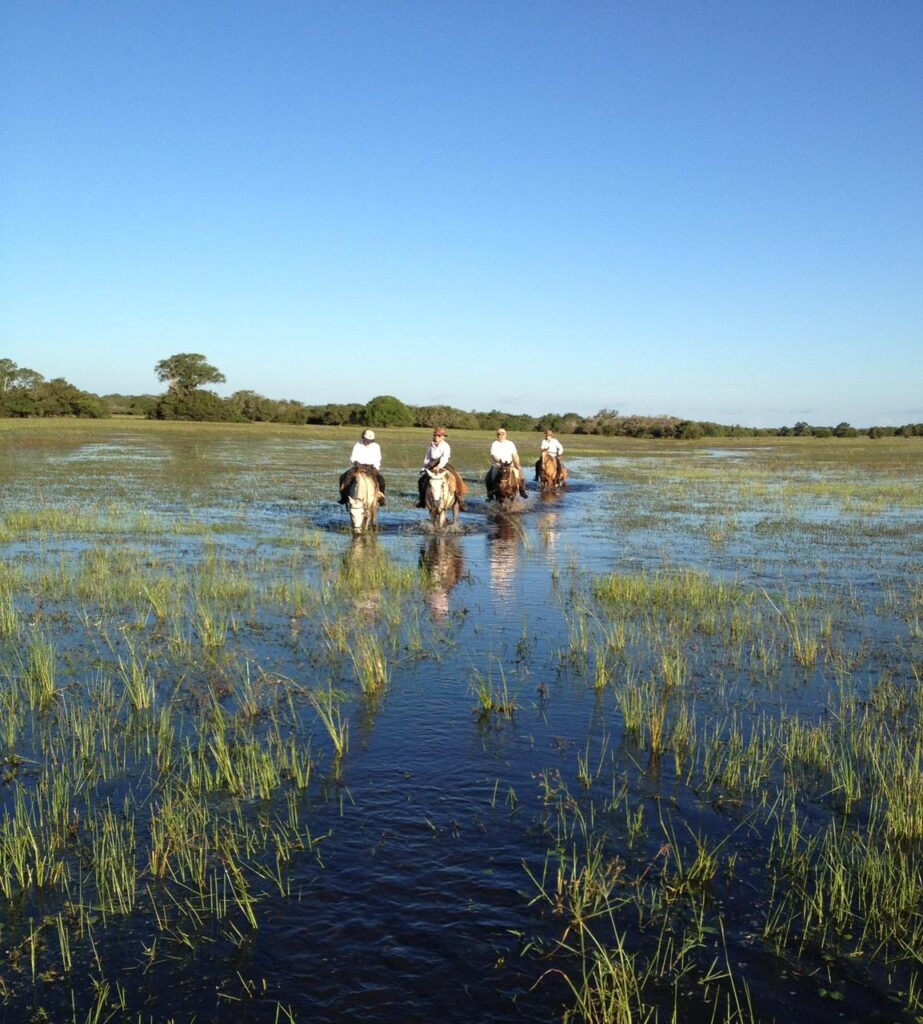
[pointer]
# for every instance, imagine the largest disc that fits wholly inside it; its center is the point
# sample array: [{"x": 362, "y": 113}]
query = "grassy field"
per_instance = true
[{"x": 676, "y": 774}]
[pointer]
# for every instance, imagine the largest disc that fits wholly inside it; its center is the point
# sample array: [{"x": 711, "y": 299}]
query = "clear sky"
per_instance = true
[{"x": 710, "y": 208}]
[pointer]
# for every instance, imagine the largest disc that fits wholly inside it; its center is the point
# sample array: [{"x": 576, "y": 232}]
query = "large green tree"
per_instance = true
[
  {"x": 388, "y": 411},
  {"x": 187, "y": 371}
]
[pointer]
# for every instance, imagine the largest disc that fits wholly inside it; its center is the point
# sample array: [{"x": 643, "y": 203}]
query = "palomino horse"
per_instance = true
[
  {"x": 362, "y": 501},
  {"x": 441, "y": 497},
  {"x": 505, "y": 484},
  {"x": 550, "y": 474}
]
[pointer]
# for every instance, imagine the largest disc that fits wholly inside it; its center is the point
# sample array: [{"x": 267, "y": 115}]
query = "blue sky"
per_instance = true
[{"x": 711, "y": 209}]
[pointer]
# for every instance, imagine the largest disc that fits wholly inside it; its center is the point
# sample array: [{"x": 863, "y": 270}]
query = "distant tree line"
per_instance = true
[{"x": 24, "y": 392}]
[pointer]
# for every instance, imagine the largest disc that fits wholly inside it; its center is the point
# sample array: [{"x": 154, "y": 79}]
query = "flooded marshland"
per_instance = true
[{"x": 646, "y": 750}]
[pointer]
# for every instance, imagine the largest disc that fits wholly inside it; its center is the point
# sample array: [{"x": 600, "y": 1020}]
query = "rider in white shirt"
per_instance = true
[
  {"x": 554, "y": 448},
  {"x": 436, "y": 460},
  {"x": 366, "y": 452},
  {"x": 503, "y": 451}
]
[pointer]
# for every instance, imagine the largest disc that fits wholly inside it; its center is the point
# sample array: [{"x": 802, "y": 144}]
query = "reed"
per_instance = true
[
  {"x": 493, "y": 698},
  {"x": 370, "y": 663},
  {"x": 326, "y": 704}
]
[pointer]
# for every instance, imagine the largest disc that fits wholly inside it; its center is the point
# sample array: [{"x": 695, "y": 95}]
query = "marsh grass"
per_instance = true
[
  {"x": 327, "y": 704},
  {"x": 179, "y": 645},
  {"x": 493, "y": 696},
  {"x": 370, "y": 663},
  {"x": 38, "y": 673}
]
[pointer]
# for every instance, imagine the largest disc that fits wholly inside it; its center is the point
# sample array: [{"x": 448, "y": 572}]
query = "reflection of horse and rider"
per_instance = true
[
  {"x": 444, "y": 564},
  {"x": 361, "y": 570},
  {"x": 504, "y": 460},
  {"x": 505, "y": 542}
]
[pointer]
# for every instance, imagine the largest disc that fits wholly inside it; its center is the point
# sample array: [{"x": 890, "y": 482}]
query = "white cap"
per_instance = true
[{"x": 368, "y": 435}]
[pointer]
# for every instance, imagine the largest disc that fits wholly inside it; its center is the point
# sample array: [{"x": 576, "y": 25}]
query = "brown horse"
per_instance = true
[
  {"x": 504, "y": 483},
  {"x": 552, "y": 473}
]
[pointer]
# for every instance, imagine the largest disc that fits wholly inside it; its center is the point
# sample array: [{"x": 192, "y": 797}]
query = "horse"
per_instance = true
[
  {"x": 551, "y": 473},
  {"x": 441, "y": 497},
  {"x": 362, "y": 500},
  {"x": 505, "y": 484}
]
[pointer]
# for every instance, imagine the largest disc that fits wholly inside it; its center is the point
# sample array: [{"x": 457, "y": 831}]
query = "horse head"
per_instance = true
[
  {"x": 440, "y": 495},
  {"x": 362, "y": 500},
  {"x": 507, "y": 485}
]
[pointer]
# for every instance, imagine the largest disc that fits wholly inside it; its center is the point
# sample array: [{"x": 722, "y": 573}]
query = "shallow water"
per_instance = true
[{"x": 417, "y": 901}]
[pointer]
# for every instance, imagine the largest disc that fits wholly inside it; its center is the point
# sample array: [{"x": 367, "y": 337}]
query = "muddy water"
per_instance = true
[{"x": 417, "y": 902}]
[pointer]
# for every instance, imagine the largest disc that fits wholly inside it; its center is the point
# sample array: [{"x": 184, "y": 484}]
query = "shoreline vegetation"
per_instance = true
[{"x": 25, "y": 393}]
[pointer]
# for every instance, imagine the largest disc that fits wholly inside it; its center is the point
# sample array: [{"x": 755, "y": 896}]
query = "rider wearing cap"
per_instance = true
[
  {"x": 503, "y": 452},
  {"x": 366, "y": 452},
  {"x": 436, "y": 460},
  {"x": 555, "y": 449}
]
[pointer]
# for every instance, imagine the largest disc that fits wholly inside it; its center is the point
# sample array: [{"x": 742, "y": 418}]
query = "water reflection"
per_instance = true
[
  {"x": 505, "y": 544},
  {"x": 444, "y": 563},
  {"x": 362, "y": 573},
  {"x": 549, "y": 523}
]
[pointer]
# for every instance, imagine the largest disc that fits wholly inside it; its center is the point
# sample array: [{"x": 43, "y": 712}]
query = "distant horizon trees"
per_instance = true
[{"x": 25, "y": 392}]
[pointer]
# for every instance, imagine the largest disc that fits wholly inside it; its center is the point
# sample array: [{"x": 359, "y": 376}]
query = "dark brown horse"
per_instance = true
[
  {"x": 502, "y": 484},
  {"x": 552, "y": 473}
]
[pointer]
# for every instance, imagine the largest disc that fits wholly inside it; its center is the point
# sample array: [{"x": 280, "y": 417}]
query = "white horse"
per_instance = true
[
  {"x": 440, "y": 498},
  {"x": 362, "y": 501}
]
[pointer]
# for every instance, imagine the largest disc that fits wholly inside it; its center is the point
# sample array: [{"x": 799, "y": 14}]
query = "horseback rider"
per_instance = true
[
  {"x": 555, "y": 449},
  {"x": 503, "y": 452},
  {"x": 367, "y": 453},
  {"x": 436, "y": 460}
]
